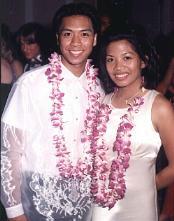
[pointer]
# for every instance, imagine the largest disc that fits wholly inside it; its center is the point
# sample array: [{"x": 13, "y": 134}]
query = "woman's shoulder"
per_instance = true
[
  {"x": 161, "y": 109},
  {"x": 17, "y": 68},
  {"x": 161, "y": 102}
]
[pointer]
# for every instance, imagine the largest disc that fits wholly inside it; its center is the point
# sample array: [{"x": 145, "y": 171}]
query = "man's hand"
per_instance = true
[{"x": 19, "y": 218}]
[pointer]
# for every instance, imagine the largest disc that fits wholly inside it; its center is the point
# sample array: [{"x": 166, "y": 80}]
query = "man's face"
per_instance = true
[{"x": 76, "y": 41}]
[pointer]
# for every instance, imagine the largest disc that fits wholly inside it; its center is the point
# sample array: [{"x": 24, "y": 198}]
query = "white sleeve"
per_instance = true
[
  {"x": 11, "y": 155},
  {"x": 12, "y": 149}
]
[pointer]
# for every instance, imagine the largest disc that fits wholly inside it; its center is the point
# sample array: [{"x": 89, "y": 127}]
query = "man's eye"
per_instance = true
[
  {"x": 66, "y": 34},
  {"x": 85, "y": 34}
]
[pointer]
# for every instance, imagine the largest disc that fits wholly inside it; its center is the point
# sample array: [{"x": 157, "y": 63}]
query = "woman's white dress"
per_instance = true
[{"x": 140, "y": 201}]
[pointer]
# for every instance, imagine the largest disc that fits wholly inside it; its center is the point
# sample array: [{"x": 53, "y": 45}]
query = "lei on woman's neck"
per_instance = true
[
  {"x": 55, "y": 77},
  {"x": 108, "y": 182}
]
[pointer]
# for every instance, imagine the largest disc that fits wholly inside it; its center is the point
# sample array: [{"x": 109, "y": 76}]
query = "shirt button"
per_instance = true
[{"x": 76, "y": 97}]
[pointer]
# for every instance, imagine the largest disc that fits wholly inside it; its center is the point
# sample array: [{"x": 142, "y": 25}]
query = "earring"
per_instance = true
[
  {"x": 142, "y": 82},
  {"x": 57, "y": 36}
]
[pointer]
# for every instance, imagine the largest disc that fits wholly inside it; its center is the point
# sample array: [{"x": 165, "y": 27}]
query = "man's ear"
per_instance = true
[{"x": 95, "y": 40}]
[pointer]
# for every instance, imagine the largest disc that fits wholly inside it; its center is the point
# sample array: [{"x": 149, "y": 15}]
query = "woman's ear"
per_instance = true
[
  {"x": 57, "y": 37},
  {"x": 95, "y": 40},
  {"x": 144, "y": 63}
]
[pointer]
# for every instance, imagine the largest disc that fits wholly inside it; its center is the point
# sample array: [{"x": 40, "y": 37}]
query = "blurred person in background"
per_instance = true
[
  {"x": 11, "y": 66},
  {"x": 166, "y": 87},
  {"x": 6, "y": 82},
  {"x": 35, "y": 45},
  {"x": 106, "y": 20},
  {"x": 166, "y": 84},
  {"x": 9, "y": 51}
]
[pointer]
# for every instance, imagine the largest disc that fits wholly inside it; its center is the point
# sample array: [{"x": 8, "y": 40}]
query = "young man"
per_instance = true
[{"x": 46, "y": 156}]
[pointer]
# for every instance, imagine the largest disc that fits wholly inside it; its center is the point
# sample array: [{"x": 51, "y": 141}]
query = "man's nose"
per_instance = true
[{"x": 76, "y": 40}]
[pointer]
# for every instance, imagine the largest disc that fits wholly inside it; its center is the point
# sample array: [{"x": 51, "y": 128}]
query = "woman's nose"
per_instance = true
[
  {"x": 118, "y": 65},
  {"x": 24, "y": 47}
]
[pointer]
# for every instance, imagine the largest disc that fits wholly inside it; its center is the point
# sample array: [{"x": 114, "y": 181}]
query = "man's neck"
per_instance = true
[{"x": 76, "y": 69}]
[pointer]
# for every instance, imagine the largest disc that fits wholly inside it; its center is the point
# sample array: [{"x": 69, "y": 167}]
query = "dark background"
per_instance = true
[{"x": 157, "y": 16}]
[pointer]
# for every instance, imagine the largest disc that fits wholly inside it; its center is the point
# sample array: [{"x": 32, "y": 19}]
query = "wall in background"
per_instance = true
[
  {"x": 167, "y": 15},
  {"x": 17, "y": 12},
  {"x": 155, "y": 15},
  {"x": 13, "y": 13}
]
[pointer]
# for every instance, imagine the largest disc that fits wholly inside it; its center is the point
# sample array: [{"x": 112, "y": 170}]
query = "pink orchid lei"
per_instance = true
[
  {"x": 64, "y": 164},
  {"x": 108, "y": 183}
]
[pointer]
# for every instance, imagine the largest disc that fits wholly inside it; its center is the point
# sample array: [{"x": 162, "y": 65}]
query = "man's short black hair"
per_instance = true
[{"x": 71, "y": 9}]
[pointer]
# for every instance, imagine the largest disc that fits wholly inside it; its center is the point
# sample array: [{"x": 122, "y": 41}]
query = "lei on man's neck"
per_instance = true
[{"x": 64, "y": 164}]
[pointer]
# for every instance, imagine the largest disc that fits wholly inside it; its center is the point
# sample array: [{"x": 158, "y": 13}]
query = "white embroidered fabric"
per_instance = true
[
  {"x": 30, "y": 179},
  {"x": 11, "y": 169}
]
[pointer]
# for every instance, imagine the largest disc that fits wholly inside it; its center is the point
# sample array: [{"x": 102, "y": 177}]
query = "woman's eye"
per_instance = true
[
  {"x": 127, "y": 58},
  {"x": 109, "y": 60}
]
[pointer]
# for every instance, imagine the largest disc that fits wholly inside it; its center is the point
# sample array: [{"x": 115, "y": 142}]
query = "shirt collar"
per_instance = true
[{"x": 68, "y": 75}]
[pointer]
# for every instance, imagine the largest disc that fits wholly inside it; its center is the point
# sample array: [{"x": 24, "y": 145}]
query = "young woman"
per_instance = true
[
  {"x": 132, "y": 123},
  {"x": 35, "y": 45}
]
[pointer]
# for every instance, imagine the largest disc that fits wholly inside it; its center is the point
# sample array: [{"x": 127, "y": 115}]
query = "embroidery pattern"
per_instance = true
[
  {"x": 6, "y": 169},
  {"x": 68, "y": 197}
]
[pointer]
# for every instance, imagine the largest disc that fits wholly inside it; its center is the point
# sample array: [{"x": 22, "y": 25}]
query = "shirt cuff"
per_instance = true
[{"x": 14, "y": 211}]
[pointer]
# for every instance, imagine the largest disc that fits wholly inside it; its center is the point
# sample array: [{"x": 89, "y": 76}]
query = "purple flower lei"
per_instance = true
[
  {"x": 64, "y": 164},
  {"x": 108, "y": 183}
]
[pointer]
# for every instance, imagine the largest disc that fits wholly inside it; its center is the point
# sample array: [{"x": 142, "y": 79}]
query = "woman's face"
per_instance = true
[
  {"x": 29, "y": 49},
  {"x": 123, "y": 64}
]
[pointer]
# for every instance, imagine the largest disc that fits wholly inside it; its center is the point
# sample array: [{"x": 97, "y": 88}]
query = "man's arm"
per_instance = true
[{"x": 11, "y": 155}]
